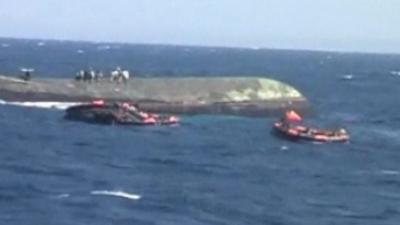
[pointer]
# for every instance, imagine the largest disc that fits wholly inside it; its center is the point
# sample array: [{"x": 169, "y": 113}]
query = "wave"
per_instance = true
[
  {"x": 284, "y": 148},
  {"x": 66, "y": 195},
  {"x": 395, "y": 73},
  {"x": 389, "y": 172},
  {"x": 389, "y": 195},
  {"x": 393, "y": 134},
  {"x": 384, "y": 172},
  {"x": 45, "y": 105},
  {"x": 114, "y": 193},
  {"x": 347, "y": 77},
  {"x": 103, "y": 47},
  {"x": 323, "y": 204},
  {"x": 121, "y": 194}
]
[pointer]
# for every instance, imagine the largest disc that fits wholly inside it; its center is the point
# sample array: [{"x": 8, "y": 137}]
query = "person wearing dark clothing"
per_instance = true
[{"x": 27, "y": 74}]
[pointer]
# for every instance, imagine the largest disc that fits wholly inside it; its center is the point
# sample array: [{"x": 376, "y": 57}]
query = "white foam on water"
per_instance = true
[
  {"x": 378, "y": 172},
  {"x": 63, "y": 196},
  {"x": 344, "y": 212},
  {"x": 5, "y": 45},
  {"x": 395, "y": 73},
  {"x": 121, "y": 194},
  {"x": 284, "y": 148},
  {"x": 348, "y": 77},
  {"x": 390, "y": 195},
  {"x": 45, "y": 105},
  {"x": 103, "y": 47},
  {"x": 387, "y": 133},
  {"x": 390, "y": 172},
  {"x": 80, "y": 51}
]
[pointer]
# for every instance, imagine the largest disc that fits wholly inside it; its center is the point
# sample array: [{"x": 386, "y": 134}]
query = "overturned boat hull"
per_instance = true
[{"x": 222, "y": 95}]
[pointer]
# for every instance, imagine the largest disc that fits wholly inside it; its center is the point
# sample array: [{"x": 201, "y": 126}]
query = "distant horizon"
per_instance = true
[
  {"x": 365, "y": 26},
  {"x": 255, "y": 48}
]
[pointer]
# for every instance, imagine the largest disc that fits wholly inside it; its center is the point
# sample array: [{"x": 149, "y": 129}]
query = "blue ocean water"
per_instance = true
[{"x": 209, "y": 169}]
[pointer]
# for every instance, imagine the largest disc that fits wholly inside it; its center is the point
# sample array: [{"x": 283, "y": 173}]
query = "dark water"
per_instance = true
[{"x": 209, "y": 169}]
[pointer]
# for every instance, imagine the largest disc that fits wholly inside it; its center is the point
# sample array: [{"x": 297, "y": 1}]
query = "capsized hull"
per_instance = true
[{"x": 220, "y": 95}]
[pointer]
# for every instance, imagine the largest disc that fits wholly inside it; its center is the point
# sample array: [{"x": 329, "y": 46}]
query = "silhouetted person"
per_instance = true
[{"x": 27, "y": 74}]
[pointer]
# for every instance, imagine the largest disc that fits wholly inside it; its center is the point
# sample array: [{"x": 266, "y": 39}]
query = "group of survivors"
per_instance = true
[{"x": 118, "y": 75}]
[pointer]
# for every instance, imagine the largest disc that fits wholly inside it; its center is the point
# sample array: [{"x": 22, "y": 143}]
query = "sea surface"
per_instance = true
[{"x": 209, "y": 169}]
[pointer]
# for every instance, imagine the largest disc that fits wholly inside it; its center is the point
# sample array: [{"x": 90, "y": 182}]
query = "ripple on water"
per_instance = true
[{"x": 387, "y": 213}]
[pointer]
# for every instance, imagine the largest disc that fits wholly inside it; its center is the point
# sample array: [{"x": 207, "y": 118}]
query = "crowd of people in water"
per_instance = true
[{"x": 118, "y": 75}]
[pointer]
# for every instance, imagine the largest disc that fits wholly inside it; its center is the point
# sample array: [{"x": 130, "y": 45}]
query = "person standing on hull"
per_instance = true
[
  {"x": 120, "y": 75},
  {"x": 80, "y": 75},
  {"x": 125, "y": 76},
  {"x": 115, "y": 74},
  {"x": 27, "y": 74},
  {"x": 99, "y": 75},
  {"x": 86, "y": 76},
  {"x": 92, "y": 74}
]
